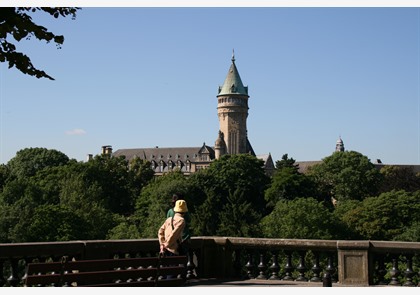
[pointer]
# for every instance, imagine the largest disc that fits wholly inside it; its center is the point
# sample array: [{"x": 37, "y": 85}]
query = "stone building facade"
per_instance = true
[{"x": 232, "y": 138}]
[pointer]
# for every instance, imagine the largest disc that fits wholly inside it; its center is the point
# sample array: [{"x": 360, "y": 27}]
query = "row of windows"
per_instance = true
[
  {"x": 169, "y": 156},
  {"x": 238, "y": 101},
  {"x": 170, "y": 164},
  {"x": 162, "y": 166}
]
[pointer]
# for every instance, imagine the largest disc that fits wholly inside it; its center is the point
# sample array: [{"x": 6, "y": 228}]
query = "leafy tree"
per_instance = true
[
  {"x": 399, "y": 178},
  {"x": 345, "y": 231},
  {"x": 385, "y": 217},
  {"x": 111, "y": 176},
  {"x": 77, "y": 187},
  {"x": 51, "y": 223},
  {"x": 126, "y": 228},
  {"x": 240, "y": 177},
  {"x": 16, "y": 22},
  {"x": 288, "y": 184},
  {"x": 243, "y": 172},
  {"x": 301, "y": 218},
  {"x": 18, "y": 202},
  {"x": 238, "y": 217},
  {"x": 13, "y": 191},
  {"x": 411, "y": 233},
  {"x": 141, "y": 174},
  {"x": 29, "y": 161},
  {"x": 346, "y": 175},
  {"x": 206, "y": 219},
  {"x": 287, "y": 162},
  {"x": 3, "y": 175}
]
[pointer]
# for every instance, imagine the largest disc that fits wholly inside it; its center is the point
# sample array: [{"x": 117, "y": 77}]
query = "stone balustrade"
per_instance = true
[{"x": 347, "y": 263}]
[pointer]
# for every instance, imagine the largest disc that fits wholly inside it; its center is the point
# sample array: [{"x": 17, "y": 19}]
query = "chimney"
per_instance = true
[
  {"x": 89, "y": 157},
  {"x": 106, "y": 150}
]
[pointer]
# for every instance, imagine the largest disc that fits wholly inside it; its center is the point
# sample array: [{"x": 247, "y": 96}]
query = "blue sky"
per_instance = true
[{"x": 134, "y": 77}]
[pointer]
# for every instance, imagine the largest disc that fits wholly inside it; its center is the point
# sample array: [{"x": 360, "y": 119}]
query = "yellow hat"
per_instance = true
[{"x": 181, "y": 206}]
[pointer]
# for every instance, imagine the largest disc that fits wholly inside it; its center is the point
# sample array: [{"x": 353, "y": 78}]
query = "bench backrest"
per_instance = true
[{"x": 144, "y": 271}]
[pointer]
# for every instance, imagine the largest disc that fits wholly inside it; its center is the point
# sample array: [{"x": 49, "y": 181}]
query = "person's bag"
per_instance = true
[{"x": 183, "y": 245}]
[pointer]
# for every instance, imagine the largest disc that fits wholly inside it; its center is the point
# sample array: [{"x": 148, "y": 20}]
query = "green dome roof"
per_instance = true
[{"x": 233, "y": 83}]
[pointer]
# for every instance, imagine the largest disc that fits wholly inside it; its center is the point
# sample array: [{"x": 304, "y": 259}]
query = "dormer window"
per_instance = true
[
  {"x": 161, "y": 165},
  {"x": 179, "y": 164}
]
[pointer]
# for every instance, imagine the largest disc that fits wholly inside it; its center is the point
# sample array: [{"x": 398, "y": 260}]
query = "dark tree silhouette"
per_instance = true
[{"x": 16, "y": 23}]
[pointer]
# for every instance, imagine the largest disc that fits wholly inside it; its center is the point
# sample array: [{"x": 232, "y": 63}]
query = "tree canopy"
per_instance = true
[
  {"x": 346, "y": 175},
  {"x": 29, "y": 161},
  {"x": 385, "y": 217},
  {"x": 45, "y": 196},
  {"x": 17, "y": 23},
  {"x": 301, "y": 218},
  {"x": 234, "y": 201},
  {"x": 399, "y": 178}
]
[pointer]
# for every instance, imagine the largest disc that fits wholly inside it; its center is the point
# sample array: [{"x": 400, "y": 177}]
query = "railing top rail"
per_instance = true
[
  {"x": 94, "y": 247},
  {"x": 276, "y": 244},
  {"x": 394, "y": 247}
]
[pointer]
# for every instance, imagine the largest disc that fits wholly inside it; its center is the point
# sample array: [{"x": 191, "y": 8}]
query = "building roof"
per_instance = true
[
  {"x": 264, "y": 157},
  {"x": 304, "y": 166},
  {"x": 166, "y": 153},
  {"x": 233, "y": 83}
]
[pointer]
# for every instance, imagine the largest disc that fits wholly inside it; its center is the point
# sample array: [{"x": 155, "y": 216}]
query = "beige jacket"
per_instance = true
[{"x": 167, "y": 236}]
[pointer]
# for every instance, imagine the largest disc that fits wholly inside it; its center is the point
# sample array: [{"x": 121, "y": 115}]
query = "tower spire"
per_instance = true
[{"x": 232, "y": 110}]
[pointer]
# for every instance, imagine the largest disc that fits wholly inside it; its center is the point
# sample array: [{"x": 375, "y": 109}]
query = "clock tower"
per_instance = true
[{"x": 232, "y": 110}]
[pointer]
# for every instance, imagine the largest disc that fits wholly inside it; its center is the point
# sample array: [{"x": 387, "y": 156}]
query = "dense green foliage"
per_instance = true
[
  {"x": 301, "y": 218},
  {"x": 48, "y": 197},
  {"x": 346, "y": 175},
  {"x": 233, "y": 201},
  {"x": 45, "y": 196},
  {"x": 399, "y": 178},
  {"x": 385, "y": 217}
]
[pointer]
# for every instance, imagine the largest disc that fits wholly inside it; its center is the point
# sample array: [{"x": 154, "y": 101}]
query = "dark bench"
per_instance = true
[{"x": 126, "y": 272}]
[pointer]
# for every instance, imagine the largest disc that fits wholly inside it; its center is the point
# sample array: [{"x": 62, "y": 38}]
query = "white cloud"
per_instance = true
[{"x": 76, "y": 132}]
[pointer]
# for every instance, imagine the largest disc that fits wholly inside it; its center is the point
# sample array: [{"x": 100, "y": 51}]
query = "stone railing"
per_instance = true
[{"x": 348, "y": 263}]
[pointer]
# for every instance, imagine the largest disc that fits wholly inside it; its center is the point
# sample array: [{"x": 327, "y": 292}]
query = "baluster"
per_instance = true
[
  {"x": 190, "y": 265},
  {"x": 262, "y": 268},
  {"x": 419, "y": 280},
  {"x": 54, "y": 259},
  {"x": 301, "y": 268},
  {"x": 394, "y": 272},
  {"x": 330, "y": 267},
  {"x": 27, "y": 260},
  {"x": 2, "y": 279},
  {"x": 63, "y": 259},
  {"x": 381, "y": 271},
  {"x": 326, "y": 280},
  {"x": 250, "y": 266},
  {"x": 288, "y": 268},
  {"x": 237, "y": 263},
  {"x": 316, "y": 269},
  {"x": 129, "y": 255},
  {"x": 409, "y": 273},
  {"x": 274, "y": 268},
  {"x": 13, "y": 279}
]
